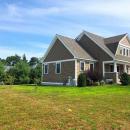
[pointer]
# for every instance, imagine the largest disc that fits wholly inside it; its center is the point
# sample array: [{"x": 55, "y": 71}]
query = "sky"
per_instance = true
[{"x": 29, "y": 26}]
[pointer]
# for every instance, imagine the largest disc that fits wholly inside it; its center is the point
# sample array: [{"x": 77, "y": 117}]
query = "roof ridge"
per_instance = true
[
  {"x": 116, "y": 35},
  {"x": 94, "y": 34},
  {"x": 64, "y": 36}
]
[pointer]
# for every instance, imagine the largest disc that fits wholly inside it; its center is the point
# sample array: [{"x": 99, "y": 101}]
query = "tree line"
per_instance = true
[{"x": 18, "y": 70}]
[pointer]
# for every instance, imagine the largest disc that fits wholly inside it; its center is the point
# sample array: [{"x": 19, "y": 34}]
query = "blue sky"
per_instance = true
[{"x": 28, "y": 26}]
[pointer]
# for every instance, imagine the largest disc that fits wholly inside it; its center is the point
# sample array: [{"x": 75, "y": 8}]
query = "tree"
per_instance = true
[
  {"x": 33, "y": 61},
  {"x": 35, "y": 74},
  {"x": 24, "y": 58},
  {"x": 22, "y": 71},
  {"x": 1, "y": 71},
  {"x": 12, "y": 60}
]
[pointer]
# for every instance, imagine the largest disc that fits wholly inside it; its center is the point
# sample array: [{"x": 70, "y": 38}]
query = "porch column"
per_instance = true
[
  {"x": 115, "y": 67},
  {"x": 125, "y": 69}
]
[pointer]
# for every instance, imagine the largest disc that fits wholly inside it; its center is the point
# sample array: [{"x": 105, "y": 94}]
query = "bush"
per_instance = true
[
  {"x": 95, "y": 76},
  {"x": 82, "y": 80},
  {"x": 8, "y": 79},
  {"x": 125, "y": 79}
]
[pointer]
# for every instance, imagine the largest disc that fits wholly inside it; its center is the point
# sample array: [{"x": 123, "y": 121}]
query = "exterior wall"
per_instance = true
[
  {"x": 58, "y": 52},
  {"x": 87, "y": 66},
  {"x": 95, "y": 51},
  {"x": 118, "y": 55},
  {"x": 125, "y": 42},
  {"x": 67, "y": 69}
]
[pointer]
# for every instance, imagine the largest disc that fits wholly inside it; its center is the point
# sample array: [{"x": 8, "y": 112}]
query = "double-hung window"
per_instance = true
[
  {"x": 58, "y": 68},
  {"x": 46, "y": 68},
  {"x": 82, "y": 66}
]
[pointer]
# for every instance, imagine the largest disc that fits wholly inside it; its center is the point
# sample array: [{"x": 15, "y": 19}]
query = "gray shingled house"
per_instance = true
[{"x": 66, "y": 58}]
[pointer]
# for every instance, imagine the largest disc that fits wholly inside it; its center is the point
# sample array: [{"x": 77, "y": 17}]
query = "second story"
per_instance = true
[{"x": 89, "y": 46}]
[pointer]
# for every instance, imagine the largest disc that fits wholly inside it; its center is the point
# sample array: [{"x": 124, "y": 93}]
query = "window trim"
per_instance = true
[
  {"x": 56, "y": 67},
  {"x": 47, "y": 68},
  {"x": 80, "y": 65}
]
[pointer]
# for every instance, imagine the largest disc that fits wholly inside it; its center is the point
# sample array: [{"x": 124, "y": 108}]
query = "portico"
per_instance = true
[{"x": 113, "y": 69}]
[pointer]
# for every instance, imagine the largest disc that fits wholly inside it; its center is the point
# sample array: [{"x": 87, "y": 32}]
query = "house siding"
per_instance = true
[
  {"x": 95, "y": 51},
  {"x": 67, "y": 69},
  {"x": 118, "y": 56},
  {"x": 87, "y": 66},
  {"x": 58, "y": 52},
  {"x": 125, "y": 42}
]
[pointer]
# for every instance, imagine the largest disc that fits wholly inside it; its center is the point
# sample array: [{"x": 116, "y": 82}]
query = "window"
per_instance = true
[
  {"x": 121, "y": 51},
  {"x": 82, "y": 66},
  {"x": 124, "y": 51},
  {"x": 127, "y": 52},
  {"x": 45, "y": 68},
  {"x": 58, "y": 68},
  {"x": 91, "y": 67},
  {"x": 111, "y": 68}
]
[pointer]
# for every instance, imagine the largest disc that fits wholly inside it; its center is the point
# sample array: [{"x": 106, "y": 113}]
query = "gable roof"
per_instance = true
[
  {"x": 112, "y": 42},
  {"x": 99, "y": 41},
  {"x": 72, "y": 46},
  {"x": 109, "y": 45},
  {"x": 75, "y": 48}
]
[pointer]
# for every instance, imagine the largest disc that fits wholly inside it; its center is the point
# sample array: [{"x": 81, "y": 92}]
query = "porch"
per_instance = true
[{"x": 113, "y": 69}]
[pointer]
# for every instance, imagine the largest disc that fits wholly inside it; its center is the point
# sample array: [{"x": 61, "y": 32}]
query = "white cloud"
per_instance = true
[{"x": 39, "y": 20}]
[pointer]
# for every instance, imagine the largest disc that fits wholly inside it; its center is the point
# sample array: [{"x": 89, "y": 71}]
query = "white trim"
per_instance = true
[
  {"x": 80, "y": 65},
  {"x": 122, "y": 61},
  {"x": 56, "y": 67},
  {"x": 109, "y": 61},
  {"x": 76, "y": 69},
  {"x": 85, "y": 33},
  {"x": 42, "y": 73},
  {"x": 76, "y": 73},
  {"x": 67, "y": 60},
  {"x": 103, "y": 68},
  {"x": 122, "y": 45},
  {"x": 86, "y": 59},
  {"x": 52, "y": 83},
  {"x": 59, "y": 61},
  {"x": 47, "y": 68}
]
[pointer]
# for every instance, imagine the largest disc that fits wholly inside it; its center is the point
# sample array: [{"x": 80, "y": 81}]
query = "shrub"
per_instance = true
[
  {"x": 82, "y": 80},
  {"x": 95, "y": 76},
  {"x": 124, "y": 79},
  {"x": 8, "y": 79}
]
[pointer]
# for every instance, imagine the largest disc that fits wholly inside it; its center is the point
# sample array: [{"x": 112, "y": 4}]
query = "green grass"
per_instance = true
[{"x": 64, "y": 108}]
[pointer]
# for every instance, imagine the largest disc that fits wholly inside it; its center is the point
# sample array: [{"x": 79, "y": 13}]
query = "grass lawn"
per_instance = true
[{"x": 64, "y": 108}]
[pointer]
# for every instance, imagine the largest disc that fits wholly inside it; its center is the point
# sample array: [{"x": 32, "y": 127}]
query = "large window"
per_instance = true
[
  {"x": 124, "y": 52},
  {"x": 58, "y": 68},
  {"x": 127, "y": 52},
  {"x": 46, "y": 67},
  {"x": 82, "y": 66}
]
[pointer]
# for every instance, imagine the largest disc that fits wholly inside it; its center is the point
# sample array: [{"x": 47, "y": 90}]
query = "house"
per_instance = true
[{"x": 66, "y": 58}]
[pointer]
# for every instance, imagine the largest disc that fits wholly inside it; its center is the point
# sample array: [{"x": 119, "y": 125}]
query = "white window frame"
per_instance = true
[
  {"x": 56, "y": 67},
  {"x": 80, "y": 65},
  {"x": 47, "y": 68}
]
